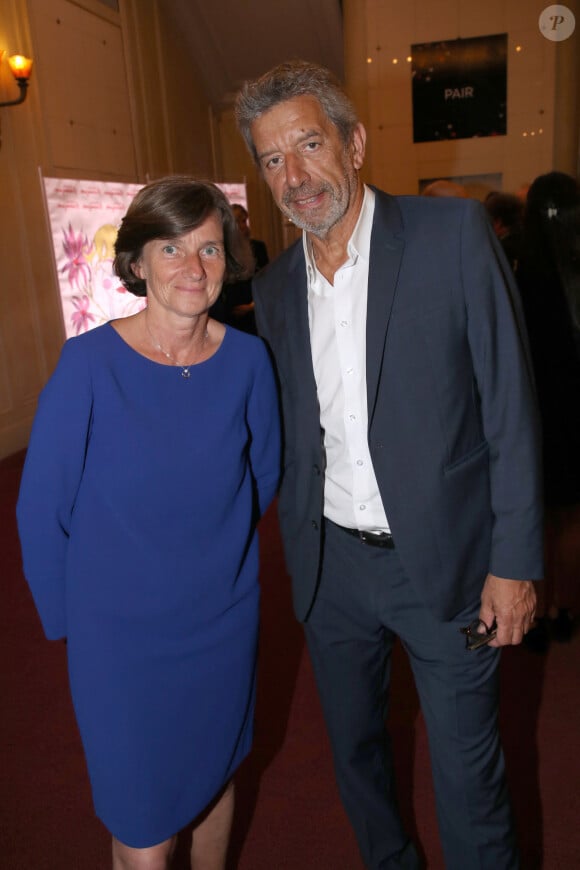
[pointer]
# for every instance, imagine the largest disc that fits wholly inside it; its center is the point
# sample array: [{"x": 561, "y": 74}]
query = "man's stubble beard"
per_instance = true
[{"x": 340, "y": 199}]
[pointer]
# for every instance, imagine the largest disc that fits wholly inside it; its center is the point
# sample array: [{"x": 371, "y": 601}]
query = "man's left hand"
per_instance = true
[{"x": 512, "y": 604}]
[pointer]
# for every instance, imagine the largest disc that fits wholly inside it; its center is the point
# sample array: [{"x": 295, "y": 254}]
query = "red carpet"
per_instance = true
[{"x": 288, "y": 813}]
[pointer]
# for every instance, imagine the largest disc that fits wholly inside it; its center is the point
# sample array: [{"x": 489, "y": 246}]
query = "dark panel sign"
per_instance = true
[{"x": 460, "y": 88}]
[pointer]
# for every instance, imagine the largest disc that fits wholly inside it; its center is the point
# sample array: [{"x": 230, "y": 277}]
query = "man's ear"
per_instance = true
[{"x": 358, "y": 145}]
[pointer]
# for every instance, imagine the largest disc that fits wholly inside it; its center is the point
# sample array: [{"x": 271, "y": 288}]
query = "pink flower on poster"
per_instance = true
[
  {"x": 81, "y": 316},
  {"x": 77, "y": 250}
]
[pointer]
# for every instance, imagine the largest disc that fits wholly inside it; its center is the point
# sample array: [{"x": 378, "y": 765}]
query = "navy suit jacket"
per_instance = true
[{"x": 452, "y": 419}]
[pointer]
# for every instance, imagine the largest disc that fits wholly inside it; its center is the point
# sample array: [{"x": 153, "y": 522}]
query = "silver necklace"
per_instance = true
[{"x": 185, "y": 370}]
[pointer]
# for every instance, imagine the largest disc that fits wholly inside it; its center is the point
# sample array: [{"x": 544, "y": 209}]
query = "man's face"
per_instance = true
[{"x": 311, "y": 172}]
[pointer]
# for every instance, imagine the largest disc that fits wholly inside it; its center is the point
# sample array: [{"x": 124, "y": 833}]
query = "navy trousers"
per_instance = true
[{"x": 364, "y": 602}]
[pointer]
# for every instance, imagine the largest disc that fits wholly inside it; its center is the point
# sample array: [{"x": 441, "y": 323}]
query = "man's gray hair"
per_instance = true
[{"x": 295, "y": 78}]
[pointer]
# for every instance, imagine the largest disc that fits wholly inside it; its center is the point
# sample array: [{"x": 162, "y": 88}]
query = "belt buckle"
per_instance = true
[{"x": 379, "y": 539}]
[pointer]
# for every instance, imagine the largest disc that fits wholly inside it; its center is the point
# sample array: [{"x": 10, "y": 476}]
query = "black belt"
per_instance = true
[{"x": 373, "y": 539}]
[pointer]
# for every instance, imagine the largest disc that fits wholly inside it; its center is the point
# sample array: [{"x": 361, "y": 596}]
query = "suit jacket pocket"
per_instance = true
[{"x": 470, "y": 458}]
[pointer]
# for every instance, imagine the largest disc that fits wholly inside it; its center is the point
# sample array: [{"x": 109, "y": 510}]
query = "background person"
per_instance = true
[
  {"x": 445, "y": 187},
  {"x": 258, "y": 247},
  {"x": 410, "y": 504},
  {"x": 153, "y": 453},
  {"x": 548, "y": 276},
  {"x": 236, "y": 299},
  {"x": 506, "y": 212}
]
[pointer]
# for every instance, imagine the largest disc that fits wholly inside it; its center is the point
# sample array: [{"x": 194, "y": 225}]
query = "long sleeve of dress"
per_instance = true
[
  {"x": 264, "y": 425},
  {"x": 50, "y": 481}
]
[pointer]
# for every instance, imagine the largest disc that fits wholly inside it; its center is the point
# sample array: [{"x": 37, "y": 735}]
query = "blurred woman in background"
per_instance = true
[{"x": 548, "y": 274}]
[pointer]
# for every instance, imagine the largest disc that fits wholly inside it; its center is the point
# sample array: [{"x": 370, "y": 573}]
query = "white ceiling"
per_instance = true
[{"x": 232, "y": 40}]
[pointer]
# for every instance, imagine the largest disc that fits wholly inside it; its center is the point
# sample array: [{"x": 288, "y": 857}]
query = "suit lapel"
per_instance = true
[
  {"x": 295, "y": 297},
  {"x": 385, "y": 260}
]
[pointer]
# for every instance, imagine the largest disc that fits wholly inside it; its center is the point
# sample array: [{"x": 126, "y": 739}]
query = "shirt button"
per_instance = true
[
  {"x": 344, "y": 322},
  {"x": 352, "y": 417},
  {"x": 359, "y": 462},
  {"x": 362, "y": 507},
  {"x": 350, "y": 370}
]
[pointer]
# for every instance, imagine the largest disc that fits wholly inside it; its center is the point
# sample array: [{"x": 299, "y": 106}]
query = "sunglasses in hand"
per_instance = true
[{"x": 478, "y": 634}]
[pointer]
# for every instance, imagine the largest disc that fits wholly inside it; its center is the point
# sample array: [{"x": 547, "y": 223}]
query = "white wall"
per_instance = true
[{"x": 396, "y": 163}]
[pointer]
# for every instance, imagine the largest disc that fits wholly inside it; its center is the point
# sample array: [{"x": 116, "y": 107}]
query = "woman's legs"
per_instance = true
[
  {"x": 209, "y": 845},
  {"x": 211, "y": 835},
  {"x": 153, "y": 858}
]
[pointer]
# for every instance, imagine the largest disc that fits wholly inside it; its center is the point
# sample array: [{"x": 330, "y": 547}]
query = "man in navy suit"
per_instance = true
[{"x": 410, "y": 505}]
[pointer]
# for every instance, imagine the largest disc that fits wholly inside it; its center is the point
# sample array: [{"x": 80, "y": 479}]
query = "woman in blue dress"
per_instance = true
[{"x": 154, "y": 451}]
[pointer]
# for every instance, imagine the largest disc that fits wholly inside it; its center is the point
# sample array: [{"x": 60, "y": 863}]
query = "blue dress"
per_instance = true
[{"x": 137, "y": 516}]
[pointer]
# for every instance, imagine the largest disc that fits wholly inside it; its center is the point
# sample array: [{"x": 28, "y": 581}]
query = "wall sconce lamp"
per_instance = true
[{"x": 21, "y": 68}]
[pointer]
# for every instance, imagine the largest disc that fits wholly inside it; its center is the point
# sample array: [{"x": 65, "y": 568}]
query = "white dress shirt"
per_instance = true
[{"x": 337, "y": 317}]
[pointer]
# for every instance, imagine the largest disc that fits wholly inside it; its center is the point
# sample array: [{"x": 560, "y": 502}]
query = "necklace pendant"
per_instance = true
[{"x": 185, "y": 373}]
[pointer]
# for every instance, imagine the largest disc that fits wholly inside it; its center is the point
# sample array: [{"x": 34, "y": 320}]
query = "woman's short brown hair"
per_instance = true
[{"x": 168, "y": 208}]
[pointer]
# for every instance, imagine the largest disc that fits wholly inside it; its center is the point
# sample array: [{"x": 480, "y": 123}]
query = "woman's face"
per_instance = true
[{"x": 184, "y": 275}]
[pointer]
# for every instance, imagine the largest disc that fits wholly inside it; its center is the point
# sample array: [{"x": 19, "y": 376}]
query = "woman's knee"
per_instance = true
[{"x": 152, "y": 858}]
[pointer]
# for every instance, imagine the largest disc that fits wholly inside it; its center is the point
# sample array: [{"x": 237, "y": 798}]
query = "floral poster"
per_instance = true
[{"x": 84, "y": 219}]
